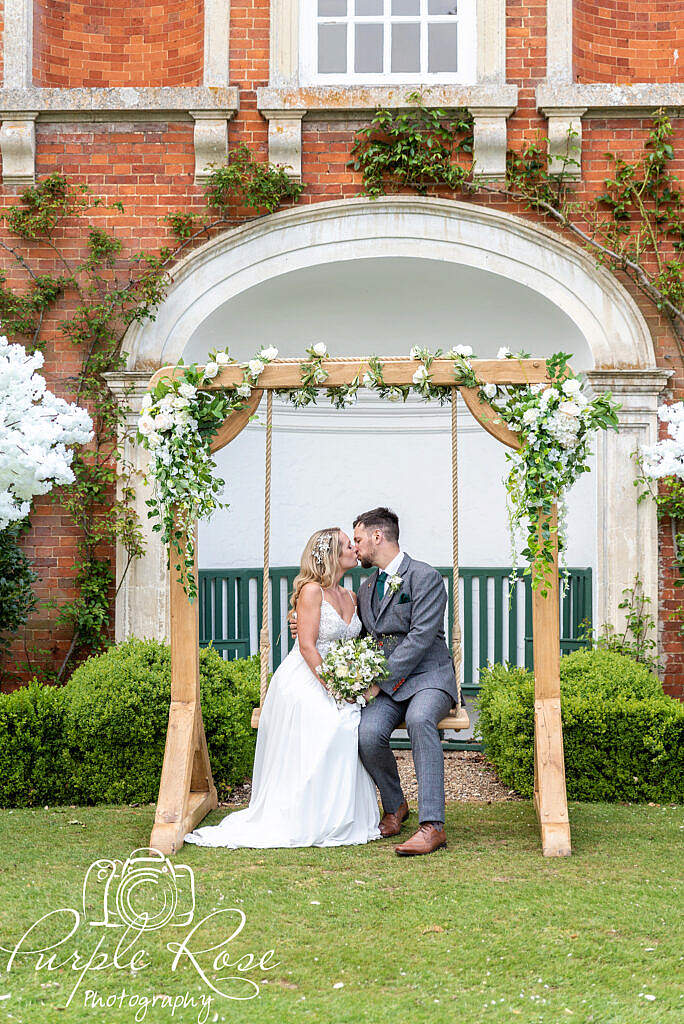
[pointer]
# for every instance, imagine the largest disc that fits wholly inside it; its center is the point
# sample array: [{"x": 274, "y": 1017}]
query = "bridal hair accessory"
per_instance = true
[{"x": 321, "y": 548}]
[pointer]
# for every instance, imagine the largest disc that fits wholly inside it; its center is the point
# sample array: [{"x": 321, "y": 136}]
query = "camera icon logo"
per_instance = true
[{"x": 145, "y": 892}]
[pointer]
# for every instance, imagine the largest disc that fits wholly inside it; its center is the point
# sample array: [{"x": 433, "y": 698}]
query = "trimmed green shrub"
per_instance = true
[
  {"x": 100, "y": 738},
  {"x": 623, "y": 738}
]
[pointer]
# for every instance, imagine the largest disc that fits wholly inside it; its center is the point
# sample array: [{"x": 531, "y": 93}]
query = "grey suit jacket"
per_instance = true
[{"x": 418, "y": 656}]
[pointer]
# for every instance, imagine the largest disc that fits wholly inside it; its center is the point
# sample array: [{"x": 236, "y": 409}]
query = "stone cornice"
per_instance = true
[
  {"x": 126, "y": 103},
  {"x": 606, "y": 98},
  {"x": 352, "y": 99}
]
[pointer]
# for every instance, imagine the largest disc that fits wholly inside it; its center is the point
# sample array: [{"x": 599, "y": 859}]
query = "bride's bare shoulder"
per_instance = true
[{"x": 310, "y": 596}]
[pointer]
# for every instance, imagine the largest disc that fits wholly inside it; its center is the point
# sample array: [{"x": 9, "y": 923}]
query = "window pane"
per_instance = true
[
  {"x": 405, "y": 47},
  {"x": 442, "y": 47},
  {"x": 442, "y": 7},
  {"x": 332, "y": 8},
  {"x": 369, "y": 7},
  {"x": 368, "y": 54},
  {"x": 332, "y": 49},
  {"x": 405, "y": 7}
]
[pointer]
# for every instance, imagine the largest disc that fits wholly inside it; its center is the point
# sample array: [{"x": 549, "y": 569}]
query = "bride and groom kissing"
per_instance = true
[{"x": 317, "y": 761}]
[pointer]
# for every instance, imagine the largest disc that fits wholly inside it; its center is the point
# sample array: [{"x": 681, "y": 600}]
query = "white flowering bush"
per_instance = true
[
  {"x": 350, "y": 667},
  {"x": 666, "y": 457},
  {"x": 38, "y": 432}
]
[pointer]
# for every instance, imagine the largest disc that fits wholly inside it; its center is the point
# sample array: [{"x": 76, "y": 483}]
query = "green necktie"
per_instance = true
[{"x": 380, "y": 584}]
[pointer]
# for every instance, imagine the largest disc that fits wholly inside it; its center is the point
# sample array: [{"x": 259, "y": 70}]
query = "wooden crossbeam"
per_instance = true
[{"x": 287, "y": 373}]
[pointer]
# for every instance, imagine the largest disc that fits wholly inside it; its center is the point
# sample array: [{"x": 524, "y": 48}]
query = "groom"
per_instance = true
[{"x": 402, "y": 605}]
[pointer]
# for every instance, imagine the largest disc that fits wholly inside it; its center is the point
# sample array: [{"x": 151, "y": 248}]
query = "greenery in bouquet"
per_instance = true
[{"x": 350, "y": 667}]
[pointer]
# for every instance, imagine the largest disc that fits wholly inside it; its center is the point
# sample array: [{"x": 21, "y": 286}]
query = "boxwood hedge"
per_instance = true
[
  {"x": 623, "y": 737},
  {"x": 100, "y": 738}
]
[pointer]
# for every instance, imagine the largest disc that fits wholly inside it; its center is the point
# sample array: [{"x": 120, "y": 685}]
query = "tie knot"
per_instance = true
[{"x": 382, "y": 575}]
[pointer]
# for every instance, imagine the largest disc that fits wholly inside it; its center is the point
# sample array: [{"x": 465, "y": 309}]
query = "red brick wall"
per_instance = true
[
  {"x": 149, "y": 166},
  {"x": 641, "y": 41},
  {"x": 100, "y": 44}
]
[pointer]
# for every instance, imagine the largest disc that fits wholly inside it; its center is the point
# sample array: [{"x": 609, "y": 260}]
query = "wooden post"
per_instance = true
[
  {"x": 186, "y": 790},
  {"x": 550, "y": 798}
]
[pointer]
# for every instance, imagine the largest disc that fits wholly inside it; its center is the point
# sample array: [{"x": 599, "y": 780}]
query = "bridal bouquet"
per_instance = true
[{"x": 351, "y": 666}]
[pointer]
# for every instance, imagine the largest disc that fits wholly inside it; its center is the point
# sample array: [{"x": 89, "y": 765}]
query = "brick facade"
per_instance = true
[{"x": 149, "y": 166}]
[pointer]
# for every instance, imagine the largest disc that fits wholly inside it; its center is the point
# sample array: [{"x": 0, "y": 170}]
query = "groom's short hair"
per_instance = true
[{"x": 381, "y": 519}]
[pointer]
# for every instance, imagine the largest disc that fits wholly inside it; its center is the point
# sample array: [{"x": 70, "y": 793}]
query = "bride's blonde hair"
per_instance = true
[{"x": 320, "y": 561}]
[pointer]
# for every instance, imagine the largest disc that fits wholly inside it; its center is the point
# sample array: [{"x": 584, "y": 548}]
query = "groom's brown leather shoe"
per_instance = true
[
  {"x": 390, "y": 825},
  {"x": 426, "y": 840}
]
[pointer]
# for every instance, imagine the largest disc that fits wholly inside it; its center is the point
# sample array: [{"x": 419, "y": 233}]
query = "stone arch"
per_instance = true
[
  {"x": 465, "y": 234},
  {"x": 460, "y": 233}
]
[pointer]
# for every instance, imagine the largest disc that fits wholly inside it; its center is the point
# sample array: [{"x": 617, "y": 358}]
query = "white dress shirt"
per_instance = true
[{"x": 391, "y": 569}]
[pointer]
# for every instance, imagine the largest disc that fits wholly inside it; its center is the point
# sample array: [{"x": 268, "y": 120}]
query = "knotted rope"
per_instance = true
[
  {"x": 456, "y": 626},
  {"x": 264, "y": 638}
]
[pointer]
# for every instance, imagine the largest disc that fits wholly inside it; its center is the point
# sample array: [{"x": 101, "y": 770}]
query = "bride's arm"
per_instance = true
[{"x": 308, "y": 625}]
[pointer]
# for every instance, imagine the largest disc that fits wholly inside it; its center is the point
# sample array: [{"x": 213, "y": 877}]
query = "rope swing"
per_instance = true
[
  {"x": 264, "y": 637},
  {"x": 460, "y": 719},
  {"x": 456, "y": 624}
]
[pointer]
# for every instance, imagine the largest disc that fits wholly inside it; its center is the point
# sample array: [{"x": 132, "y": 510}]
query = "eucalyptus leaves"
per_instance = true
[{"x": 553, "y": 421}]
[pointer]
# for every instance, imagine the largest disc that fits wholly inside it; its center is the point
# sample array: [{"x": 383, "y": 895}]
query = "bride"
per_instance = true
[{"x": 309, "y": 787}]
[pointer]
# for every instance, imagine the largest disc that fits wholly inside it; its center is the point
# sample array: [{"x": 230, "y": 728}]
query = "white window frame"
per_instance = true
[{"x": 467, "y": 47}]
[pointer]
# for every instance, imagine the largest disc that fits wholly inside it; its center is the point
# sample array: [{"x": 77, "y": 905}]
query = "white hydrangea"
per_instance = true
[
  {"x": 37, "y": 433},
  {"x": 666, "y": 456}
]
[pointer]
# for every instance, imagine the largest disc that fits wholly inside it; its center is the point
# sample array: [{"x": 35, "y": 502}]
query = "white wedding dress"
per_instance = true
[{"x": 309, "y": 787}]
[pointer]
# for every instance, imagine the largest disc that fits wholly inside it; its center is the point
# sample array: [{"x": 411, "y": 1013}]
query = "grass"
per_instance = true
[{"x": 486, "y": 931}]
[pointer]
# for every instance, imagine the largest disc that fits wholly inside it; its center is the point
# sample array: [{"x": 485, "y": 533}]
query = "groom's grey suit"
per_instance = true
[{"x": 420, "y": 689}]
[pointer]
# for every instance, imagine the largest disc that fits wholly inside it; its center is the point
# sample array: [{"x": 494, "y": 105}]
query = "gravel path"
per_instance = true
[{"x": 468, "y": 777}]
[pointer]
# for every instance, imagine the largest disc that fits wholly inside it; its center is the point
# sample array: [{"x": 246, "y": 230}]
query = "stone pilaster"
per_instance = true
[
  {"x": 142, "y": 602},
  {"x": 626, "y": 532}
]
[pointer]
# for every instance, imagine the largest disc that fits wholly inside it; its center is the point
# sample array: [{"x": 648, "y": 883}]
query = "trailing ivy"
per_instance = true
[
  {"x": 413, "y": 148},
  {"x": 108, "y": 290}
]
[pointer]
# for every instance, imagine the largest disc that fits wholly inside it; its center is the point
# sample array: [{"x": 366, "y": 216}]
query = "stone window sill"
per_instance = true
[{"x": 286, "y": 107}]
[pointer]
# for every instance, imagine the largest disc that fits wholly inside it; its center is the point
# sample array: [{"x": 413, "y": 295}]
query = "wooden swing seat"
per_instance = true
[{"x": 456, "y": 719}]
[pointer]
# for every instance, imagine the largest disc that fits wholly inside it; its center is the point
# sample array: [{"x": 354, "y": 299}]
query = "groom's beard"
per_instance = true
[{"x": 366, "y": 563}]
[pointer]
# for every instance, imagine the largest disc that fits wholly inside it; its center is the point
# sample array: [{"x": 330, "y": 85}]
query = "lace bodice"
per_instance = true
[{"x": 333, "y": 627}]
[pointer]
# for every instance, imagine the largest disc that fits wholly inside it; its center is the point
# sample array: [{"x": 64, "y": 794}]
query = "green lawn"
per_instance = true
[{"x": 487, "y": 930}]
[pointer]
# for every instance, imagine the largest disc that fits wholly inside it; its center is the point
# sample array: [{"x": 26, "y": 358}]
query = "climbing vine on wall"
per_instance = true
[{"x": 93, "y": 298}]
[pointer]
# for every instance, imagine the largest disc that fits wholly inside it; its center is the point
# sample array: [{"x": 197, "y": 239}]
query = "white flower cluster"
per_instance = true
[
  {"x": 666, "y": 456},
  {"x": 350, "y": 667},
  {"x": 37, "y": 430},
  {"x": 176, "y": 425}
]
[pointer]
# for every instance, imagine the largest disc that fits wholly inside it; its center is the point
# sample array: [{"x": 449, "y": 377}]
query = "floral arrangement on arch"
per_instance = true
[{"x": 554, "y": 422}]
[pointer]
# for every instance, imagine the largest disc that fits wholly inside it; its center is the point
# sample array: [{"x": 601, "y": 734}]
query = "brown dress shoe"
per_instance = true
[
  {"x": 390, "y": 825},
  {"x": 426, "y": 840}
]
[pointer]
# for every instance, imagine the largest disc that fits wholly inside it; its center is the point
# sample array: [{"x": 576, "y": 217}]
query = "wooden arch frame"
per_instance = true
[{"x": 186, "y": 791}]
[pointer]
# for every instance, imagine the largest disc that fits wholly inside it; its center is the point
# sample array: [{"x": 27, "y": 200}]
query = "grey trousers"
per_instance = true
[{"x": 421, "y": 712}]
